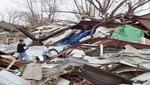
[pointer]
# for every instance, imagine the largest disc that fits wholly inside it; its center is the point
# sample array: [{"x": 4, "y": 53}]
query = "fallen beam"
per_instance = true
[{"x": 28, "y": 34}]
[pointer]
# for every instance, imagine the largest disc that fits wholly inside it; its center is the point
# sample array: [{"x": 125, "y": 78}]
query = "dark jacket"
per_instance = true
[{"x": 20, "y": 48}]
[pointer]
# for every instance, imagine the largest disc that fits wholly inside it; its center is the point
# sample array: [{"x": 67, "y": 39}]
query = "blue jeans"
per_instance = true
[
  {"x": 23, "y": 55},
  {"x": 45, "y": 57}
]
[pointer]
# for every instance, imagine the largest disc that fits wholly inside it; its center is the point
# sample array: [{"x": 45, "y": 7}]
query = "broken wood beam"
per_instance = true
[{"x": 17, "y": 64}]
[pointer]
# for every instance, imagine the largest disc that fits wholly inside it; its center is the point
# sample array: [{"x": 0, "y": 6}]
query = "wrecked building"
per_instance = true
[{"x": 117, "y": 52}]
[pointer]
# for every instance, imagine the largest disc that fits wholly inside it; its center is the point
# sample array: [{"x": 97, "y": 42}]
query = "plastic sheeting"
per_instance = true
[
  {"x": 76, "y": 37},
  {"x": 101, "y": 32},
  {"x": 127, "y": 33},
  {"x": 36, "y": 51}
]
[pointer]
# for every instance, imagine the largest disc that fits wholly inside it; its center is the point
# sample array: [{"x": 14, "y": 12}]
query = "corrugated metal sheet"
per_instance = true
[
  {"x": 7, "y": 78},
  {"x": 33, "y": 71},
  {"x": 101, "y": 77}
]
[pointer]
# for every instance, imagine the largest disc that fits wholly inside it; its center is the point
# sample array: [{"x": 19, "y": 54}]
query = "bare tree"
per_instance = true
[
  {"x": 30, "y": 20},
  {"x": 39, "y": 12},
  {"x": 32, "y": 15},
  {"x": 132, "y": 8},
  {"x": 11, "y": 16},
  {"x": 49, "y": 8},
  {"x": 107, "y": 8},
  {"x": 83, "y": 9}
]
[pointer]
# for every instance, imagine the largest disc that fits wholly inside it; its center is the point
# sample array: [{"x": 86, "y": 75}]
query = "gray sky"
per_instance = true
[
  {"x": 7, "y": 5},
  {"x": 13, "y": 4}
]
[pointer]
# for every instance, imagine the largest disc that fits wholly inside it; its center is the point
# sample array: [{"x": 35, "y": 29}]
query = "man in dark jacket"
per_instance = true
[{"x": 21, "y": 51}]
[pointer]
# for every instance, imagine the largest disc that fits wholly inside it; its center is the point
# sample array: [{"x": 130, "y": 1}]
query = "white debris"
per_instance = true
[{"x": 7, "y": 78}]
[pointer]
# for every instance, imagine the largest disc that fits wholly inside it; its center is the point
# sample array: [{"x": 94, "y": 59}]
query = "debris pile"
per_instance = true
[{"x": 100, "y": 52}]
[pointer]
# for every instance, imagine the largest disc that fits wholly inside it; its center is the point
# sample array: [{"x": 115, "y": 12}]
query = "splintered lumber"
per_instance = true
[
  {"x": 8, "y": 61},
  {"x": 2, "y": 53}
]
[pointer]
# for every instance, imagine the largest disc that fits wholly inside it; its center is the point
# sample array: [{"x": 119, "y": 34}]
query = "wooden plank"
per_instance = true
[
  {"x": 17, "y": 64},
  {"x": 11, "y": 64},
  {"x": 8, "y": 78},
  {"x": 2, "y": 53},
  {"x": 147, "y": 83}
]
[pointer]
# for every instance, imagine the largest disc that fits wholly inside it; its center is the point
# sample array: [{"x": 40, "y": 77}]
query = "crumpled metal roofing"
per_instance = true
[
  {"x": 101, "y": 77},
  {"x": 8, "y": 78}
]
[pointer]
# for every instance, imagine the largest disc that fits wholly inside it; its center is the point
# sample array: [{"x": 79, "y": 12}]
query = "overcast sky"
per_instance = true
[
  {"x": 14, "y": 4},
  {"x": 7, "y": 5}
]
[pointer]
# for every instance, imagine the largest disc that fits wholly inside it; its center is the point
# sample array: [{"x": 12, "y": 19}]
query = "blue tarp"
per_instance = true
[{"x": 74, "y": 38}]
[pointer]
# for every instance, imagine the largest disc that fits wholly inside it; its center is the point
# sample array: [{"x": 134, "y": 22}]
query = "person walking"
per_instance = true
[{"x": 21, "y": 51}]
